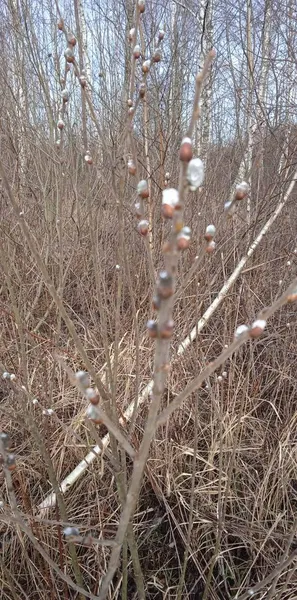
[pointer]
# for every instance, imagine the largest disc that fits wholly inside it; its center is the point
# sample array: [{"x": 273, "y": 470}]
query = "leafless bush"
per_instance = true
[{"x": 147, "y": 301}]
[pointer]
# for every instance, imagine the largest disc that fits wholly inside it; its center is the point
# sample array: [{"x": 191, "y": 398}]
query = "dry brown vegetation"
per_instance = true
[{"x": 216, "y": 513}]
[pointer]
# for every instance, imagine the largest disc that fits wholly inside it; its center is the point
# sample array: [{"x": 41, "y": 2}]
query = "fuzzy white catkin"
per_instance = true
[
  {"x": 142, "y": 186},
  {"x": 71, "y": 531},
  {"x": 240, "y": 330},
  {"x": 210, "y": 229},
  {"x": 48, "y": 412},
  {"x": 195, "y": 173},
  {"x": 83, "y": 378},
  {"x": 260, "y": 323},
  {"x": 170, "y": 196},
  {"x": 91, "y": 393},
  {"x": 244, "y": 186}
]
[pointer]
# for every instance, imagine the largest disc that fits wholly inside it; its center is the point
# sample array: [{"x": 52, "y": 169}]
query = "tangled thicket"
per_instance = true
[{"x": 225, "y": 462}]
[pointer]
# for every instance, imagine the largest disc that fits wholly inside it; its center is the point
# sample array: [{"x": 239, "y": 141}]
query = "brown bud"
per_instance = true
[
  {"x": 156, "y": 302},
  {"x": 94, "y": 400},
  {"x": 165, "y": 285},
  {"x": 142, "y": 90},
  {"x": 93, "y": 414},
  {"x": 210, "y": 233},
  {"x": 130, "y": 103},
  {"x": 65, "y": 96},
  {"x": 211, "y": 247},
  {"x": 143, "y": 227},
  {"x": 239, "y": 195},
  {"x": 142, "y": 189},
  {"x": 83, "y": 81},
  {"x": 60, "y": 24},
  {"x": 138, "y": 210},
  {"x": 257, "y": 328},
  {"x": 256, "y": 332},
  {"x": 186, "y": 151},
  {"x": 92, "y": 395},
  {"x": 292, "y": 297},
  {"x": 167, "y": 211},
  {"x": 184, "y": 238},
  {"x": 152, "y": 328},
  {"x": 10, "y": 462},
  {"x": 132, "y": 34},
  {"x": 166, "y": 330},
  {"x": 11, "y": 467},
  {"x": 69, "y": 55},
  {"x": 88, "y": 159},
  {"x": 71, "y": 39},
  {"x": 131, "y": 167},
  {"x": 141, "y": 6},
  {"x": 146, "y": 66},
  {"x": 241, "y": 191},
  {"x": 183, "y": 243},
  {"x": 157, "y": 56},
  {"x": 136, "y": 51}
]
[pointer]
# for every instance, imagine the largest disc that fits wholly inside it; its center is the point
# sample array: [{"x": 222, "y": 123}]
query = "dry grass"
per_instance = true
[{"x": 245, "y": 467}]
